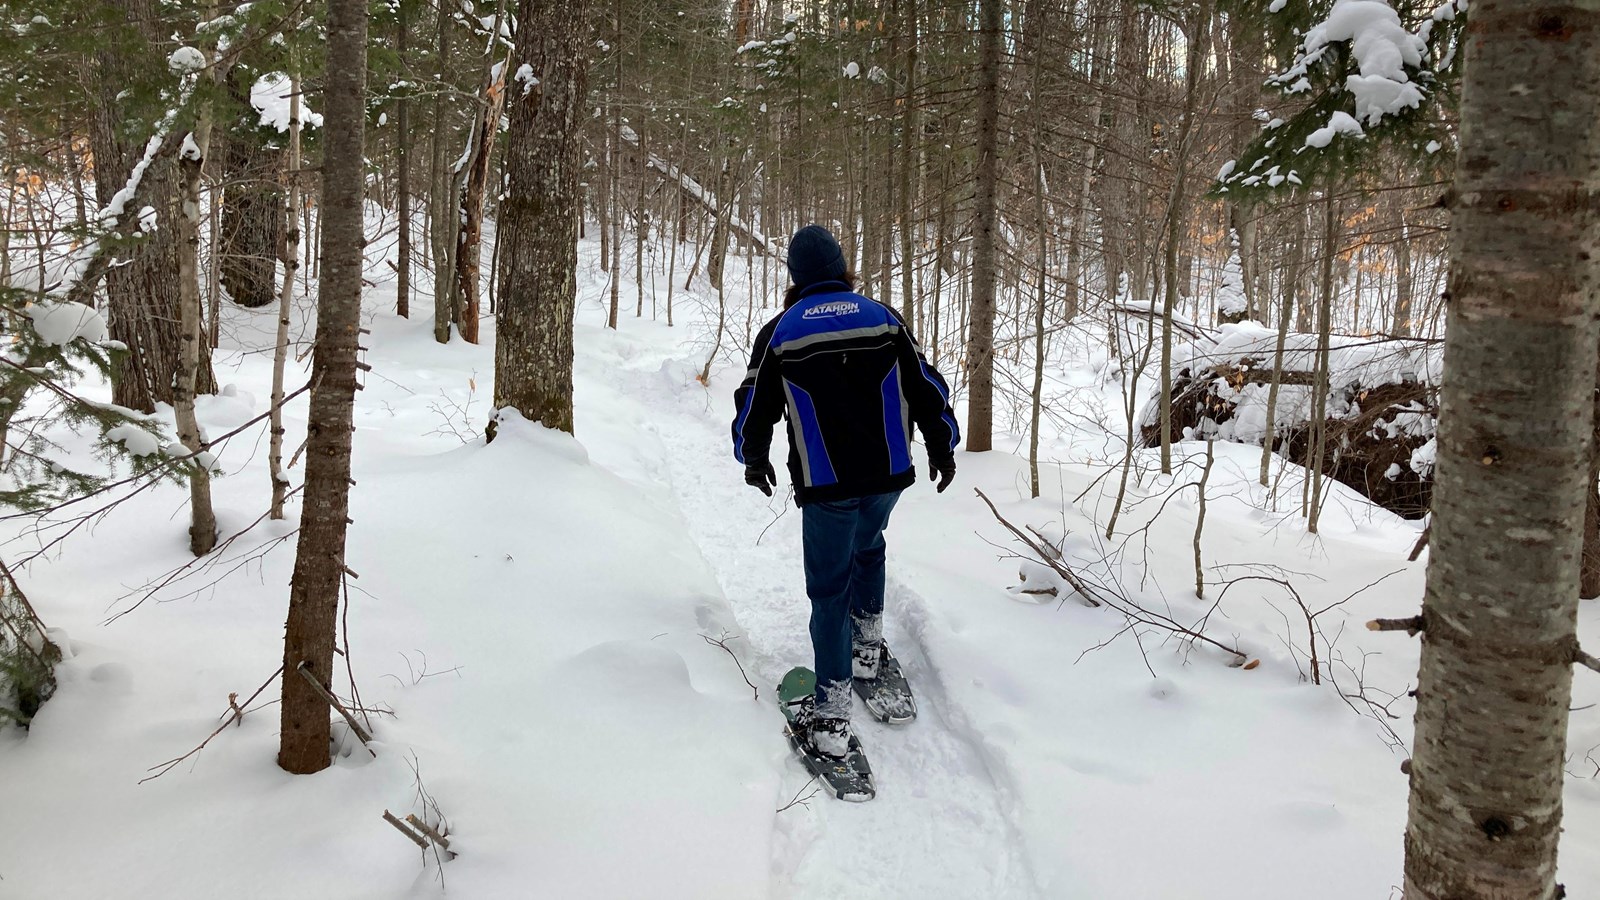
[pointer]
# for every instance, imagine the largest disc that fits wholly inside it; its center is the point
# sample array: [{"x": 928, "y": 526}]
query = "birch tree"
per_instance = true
[{"x": 1500, "y": 610}]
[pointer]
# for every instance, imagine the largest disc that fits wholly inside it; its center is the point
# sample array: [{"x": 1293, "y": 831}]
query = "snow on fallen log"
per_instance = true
[
  {"x": 697, "y": 192},
  {"x": 1382, "y": 405}
]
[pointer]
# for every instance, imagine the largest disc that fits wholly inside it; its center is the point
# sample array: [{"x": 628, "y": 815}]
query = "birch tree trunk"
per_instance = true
[
  {"x": 980, "y": 337},
  {"x": 469, "y": 236},
  {"x": 319, "y": 556},
  {"x": 191, "y": 160},
  {"x": 290, "y": 255},
  {"x": 538, "y": 222},
  {"x": 1500, "y": 608}
]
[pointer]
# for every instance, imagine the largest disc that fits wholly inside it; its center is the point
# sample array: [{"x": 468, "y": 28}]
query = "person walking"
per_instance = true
[{"x": 850, "y": 379}]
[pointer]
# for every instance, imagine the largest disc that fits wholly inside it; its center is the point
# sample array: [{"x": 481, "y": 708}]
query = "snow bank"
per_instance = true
[{"x": 534, "y": 621}]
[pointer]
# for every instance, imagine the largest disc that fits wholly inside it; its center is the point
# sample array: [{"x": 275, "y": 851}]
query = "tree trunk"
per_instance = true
[
  {"x": 252, "y": 215},
  {"x": 191, "y": 161},
  {"x": 1590, "y": 587},
  {"x": 291, "y": 263},
  {"x": 910, "y": 305},
  {"x": 1317, "y": 448},
  {"x": 1291, "y": 283},
  {"x": 319, "y": 557},
  {"x": 402, "y": 115},
  {"x": 1196, "y": 37},
  {"x": 538, "y": 270},
  {"x": 1402, "y": 281},
  {"x": 142, "y": 295},
  {"x": 980, "y": 338},
  {"x": 716, "y": 256},
  {"x": 469, "y": 237},
  {"x": 441, "y": 193},
  {"x": 1516, "y": 421}
]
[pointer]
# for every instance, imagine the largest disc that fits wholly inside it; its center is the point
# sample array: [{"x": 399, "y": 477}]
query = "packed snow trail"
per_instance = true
[{"x": 939, "y": 826}]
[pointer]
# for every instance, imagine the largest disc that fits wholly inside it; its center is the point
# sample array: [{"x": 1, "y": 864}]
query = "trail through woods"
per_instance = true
[{"x": 536, "y": 614}]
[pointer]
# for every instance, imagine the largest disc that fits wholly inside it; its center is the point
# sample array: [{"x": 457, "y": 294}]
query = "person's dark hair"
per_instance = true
[{"x": 792, "y": 295}]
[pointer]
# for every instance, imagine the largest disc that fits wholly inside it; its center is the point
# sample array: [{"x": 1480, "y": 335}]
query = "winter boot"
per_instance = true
[
  {"x": 829, "y": 737},
  {"x": 865, "y": 659}
]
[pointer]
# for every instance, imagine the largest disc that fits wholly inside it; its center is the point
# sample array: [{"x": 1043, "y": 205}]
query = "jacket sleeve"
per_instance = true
[
  {"x": 758, "y": 402},
  {"x": 928, "y": 397}
]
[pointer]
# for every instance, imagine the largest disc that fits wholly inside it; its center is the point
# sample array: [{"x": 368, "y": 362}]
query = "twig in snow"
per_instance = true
[
  {"x": 799, "y": 800},
  {"x": 723, "y": 643},
  {"x": 430, "y": 809}
]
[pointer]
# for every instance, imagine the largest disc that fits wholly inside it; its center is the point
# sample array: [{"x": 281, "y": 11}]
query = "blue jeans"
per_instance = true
[{"x": 844, "y": 562}]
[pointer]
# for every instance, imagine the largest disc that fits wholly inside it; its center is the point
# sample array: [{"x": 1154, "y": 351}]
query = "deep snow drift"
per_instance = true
[{"x": 536, "y": 613}]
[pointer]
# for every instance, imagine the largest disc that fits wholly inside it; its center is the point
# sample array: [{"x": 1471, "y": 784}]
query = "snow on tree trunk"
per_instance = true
[
  {"x": 319, "y": 557},
  {"x": 985, "y": 209},
  {"x": 538, "y": 219},
  {"x": 1513, "y": 461}
]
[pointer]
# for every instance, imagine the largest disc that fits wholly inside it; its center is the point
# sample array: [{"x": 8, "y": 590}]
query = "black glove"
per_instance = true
[
  {"x": 942, "y": 469},
  {"x": 761, "y": 475}
]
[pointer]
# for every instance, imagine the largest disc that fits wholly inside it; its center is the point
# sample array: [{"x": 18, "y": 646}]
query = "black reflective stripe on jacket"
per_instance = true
[{"x": 851, "y": 380}]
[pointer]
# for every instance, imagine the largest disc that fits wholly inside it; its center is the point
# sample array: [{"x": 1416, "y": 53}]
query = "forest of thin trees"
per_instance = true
[{"x": 1203, "y": 195}]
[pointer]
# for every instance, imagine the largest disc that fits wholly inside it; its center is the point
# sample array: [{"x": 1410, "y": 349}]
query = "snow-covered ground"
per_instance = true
[{"x": 540, "y": 614}]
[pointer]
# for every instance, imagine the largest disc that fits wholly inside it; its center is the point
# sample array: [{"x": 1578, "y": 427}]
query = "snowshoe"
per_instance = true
[
  {"x": 849, "y": 778},
  {"x": 888, "y": 696}
]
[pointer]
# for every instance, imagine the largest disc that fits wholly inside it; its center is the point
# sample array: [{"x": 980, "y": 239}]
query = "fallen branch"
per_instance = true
[
  {"x": 234, "y": 715},
  {"x": 435, "y": 836},
  {"x": 1099, "y": 595},
  {"x": 401, "y": 827},
  {"x": 311, "y": 679}
]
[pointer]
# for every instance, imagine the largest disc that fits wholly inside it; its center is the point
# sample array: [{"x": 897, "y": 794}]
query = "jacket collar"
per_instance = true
[{"x": 824, "y": 287}]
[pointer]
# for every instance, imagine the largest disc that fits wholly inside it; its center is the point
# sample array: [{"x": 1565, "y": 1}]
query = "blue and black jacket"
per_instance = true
[{"x": 852, "y": 381}]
